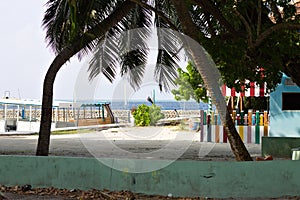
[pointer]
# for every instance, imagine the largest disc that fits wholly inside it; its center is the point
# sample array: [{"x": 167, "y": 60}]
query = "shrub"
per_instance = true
[
  {"x": 147, "y": 115},
  {"x": 155, "y": 114},
  {"x": 141, "y": 115}
]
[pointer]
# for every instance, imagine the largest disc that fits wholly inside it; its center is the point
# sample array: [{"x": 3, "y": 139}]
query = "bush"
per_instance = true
[
  {"x": 142, "y": 115},
  {"x": 155, "y": 114},
  {"x": 147, "y": 115}
]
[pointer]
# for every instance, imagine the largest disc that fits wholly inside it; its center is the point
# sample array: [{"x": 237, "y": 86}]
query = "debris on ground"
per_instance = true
[
  {"x": 267, "y": 157},
  {"x": 27, "y": 191}
]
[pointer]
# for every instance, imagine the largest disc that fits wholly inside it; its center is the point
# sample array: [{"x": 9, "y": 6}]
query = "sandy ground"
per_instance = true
[{"x": 138, "y": 142}]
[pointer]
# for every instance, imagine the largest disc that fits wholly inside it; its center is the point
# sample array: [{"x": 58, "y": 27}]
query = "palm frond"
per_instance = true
[
  {"x": 105, "y": 59},
  {"x": 125, "y": 46},
  {"x": 66, "y": 20},
  {"x": 133, "y": 45},
  {"x": 133, "y": 65},
  {"x": 169, "y": 47},
  {"x": 167, "y": 8},
  {"x": 166, "y": 70}
]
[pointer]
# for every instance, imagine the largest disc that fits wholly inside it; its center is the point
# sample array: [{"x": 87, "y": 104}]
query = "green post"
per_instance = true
[
  {"x": 204, "y": 118},
  {"x": 257, "y": 134}
]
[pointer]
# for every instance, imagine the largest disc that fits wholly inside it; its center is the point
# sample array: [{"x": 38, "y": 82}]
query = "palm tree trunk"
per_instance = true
[
  {"x": 211, "y": 77},
  {"x": 60, "y": 59},
  {"x": 46, "y": 118}
]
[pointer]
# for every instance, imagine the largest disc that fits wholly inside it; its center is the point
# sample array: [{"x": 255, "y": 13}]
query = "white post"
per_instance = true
[
  {"x": 30, "y": 113},
  {"x": 56, "y": 114},
  {"x": 5, "y": 111},
  {"x": 18, "y": 113}
]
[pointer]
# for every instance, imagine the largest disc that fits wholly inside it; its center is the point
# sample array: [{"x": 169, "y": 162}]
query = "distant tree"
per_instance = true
[{"x": 190, "y": 85}]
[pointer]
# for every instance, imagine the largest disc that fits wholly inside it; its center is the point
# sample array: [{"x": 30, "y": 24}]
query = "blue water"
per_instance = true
[
  {"x": 165, "y": 105},
  {"x": 121, "y": 105}
]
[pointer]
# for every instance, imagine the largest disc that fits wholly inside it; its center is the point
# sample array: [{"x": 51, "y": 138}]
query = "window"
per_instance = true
[{"x": 291, "y": 101}]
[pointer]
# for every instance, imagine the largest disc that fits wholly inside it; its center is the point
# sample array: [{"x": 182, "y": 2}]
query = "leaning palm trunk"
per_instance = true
[
  {"x": 97, "y": 32},
  {"x": 211, "y": 78}
]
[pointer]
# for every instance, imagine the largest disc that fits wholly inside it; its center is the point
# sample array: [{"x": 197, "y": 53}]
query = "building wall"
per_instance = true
[{"x": 283, "y": 123}]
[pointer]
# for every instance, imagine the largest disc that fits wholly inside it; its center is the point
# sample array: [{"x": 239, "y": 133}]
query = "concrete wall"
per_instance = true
[
  {"x": 181, "y": 178},
  {"x": 279, "y": 146}
]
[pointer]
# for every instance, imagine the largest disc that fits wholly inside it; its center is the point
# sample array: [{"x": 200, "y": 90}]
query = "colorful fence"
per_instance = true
[{"x": 251, "y": 127}]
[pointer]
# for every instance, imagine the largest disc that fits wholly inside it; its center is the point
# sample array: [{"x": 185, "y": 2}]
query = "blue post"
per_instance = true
[{"x": 23, "y": 113}]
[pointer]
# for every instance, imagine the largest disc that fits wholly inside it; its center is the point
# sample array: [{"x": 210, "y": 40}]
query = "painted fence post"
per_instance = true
[
  {"x": 266, "y": 123},
  {"x": 242, "y": 117},
  {"x": 217, "y": 128},
  {"x": 257, "y": 132},
  {"x": 251, "y": 127},
  {"x": 201, "y": 125},
  {"x": 208, "y": 128},
  {"x": 249, "y": 117}
]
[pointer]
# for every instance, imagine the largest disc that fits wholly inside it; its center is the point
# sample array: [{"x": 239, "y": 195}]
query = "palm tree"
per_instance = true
[
  {"x": 66, "y": 43},
  {"x": 74, "y": 27}
]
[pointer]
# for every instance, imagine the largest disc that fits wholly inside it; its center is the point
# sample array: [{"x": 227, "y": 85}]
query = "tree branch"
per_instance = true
[
  {"x": 259, "y": 18},
  {"x": 272, "y": 29},
  {"x": 247, "y": 26}
]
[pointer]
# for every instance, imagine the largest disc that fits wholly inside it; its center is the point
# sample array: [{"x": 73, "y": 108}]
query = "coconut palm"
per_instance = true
[
  {"x": 58, "y": 16},
  {"x": 77, "y": 27}
]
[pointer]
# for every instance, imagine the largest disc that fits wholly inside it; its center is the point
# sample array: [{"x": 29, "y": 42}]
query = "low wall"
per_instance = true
[
  {"x": 279, "y": 146},
  {"x": 181, "y": 178}
]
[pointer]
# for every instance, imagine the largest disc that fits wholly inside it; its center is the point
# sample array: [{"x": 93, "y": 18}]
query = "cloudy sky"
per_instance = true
[
  {"x": 25, "y": 57},
  {"x": 24, "y": 54}
]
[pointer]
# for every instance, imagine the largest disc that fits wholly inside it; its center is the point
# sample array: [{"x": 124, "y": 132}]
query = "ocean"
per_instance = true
[
  {"x": 122, "y": 105},
  {"x": 165, "y": 105}
]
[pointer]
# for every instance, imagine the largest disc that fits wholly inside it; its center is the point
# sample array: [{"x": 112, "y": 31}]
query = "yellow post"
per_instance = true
[
  {"x": 261, "y": 120},
  {"x": 266, "y": 118}
]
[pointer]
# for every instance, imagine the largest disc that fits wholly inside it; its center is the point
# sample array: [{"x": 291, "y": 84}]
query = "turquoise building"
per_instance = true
[{"x": 285, "y": 109}]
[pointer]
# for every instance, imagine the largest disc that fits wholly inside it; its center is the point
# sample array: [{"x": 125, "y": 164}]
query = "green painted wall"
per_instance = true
[
  {"x": 181, "y": 178},
  {"x": 279, "y": 146}
]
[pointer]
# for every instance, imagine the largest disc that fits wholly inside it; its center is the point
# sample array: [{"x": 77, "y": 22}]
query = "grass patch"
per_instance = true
[{"x": 67, "y": 132}]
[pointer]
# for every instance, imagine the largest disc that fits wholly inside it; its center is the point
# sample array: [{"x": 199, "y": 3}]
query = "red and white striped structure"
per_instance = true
[{"x": 255, "y": 90}]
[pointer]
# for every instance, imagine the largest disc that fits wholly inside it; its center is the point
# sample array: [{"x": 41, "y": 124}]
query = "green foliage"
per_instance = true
[
  {"x": 142, "y": 115},
  {"x": 191, "y": 85},
  {"x": 155, "y": 114},
  {"x": 147, "y": 115}
]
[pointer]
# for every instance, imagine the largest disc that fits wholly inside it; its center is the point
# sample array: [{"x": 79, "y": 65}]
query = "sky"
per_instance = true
[
  {"x": 25, "y": 58},
  {"x": 24, "y": 54}
]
